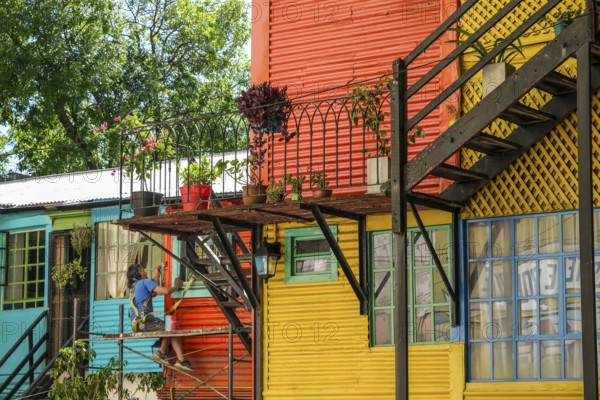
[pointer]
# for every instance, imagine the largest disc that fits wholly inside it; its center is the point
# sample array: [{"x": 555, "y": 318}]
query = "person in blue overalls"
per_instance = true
[{"x": 141, "y": 312}]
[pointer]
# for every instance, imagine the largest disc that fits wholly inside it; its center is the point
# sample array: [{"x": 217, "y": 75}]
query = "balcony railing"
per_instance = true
[{"x": 330, "y": 137}]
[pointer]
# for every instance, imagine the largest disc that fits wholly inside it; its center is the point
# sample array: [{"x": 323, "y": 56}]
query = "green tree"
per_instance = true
[{"x": 69, "y": 65}]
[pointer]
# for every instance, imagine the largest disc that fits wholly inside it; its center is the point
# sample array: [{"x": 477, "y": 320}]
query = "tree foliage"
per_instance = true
[{"x": 69, "y": 65}]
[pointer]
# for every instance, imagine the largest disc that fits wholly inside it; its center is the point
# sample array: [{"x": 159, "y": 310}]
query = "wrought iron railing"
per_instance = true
[{"x": 331, "y": 137}]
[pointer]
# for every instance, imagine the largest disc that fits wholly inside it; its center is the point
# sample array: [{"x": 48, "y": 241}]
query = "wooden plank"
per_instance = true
[{"x": 162, "y": 334}]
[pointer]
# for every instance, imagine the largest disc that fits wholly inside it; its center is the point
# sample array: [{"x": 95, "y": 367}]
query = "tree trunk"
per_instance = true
[{"x": 71, "y": 130}]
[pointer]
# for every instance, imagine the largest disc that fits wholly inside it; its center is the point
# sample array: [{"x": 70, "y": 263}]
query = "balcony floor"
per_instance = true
[{"x": 199, "y": 223}]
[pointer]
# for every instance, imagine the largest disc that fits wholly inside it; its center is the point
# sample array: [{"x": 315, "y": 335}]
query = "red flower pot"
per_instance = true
[{"x": 191, "y": 197}]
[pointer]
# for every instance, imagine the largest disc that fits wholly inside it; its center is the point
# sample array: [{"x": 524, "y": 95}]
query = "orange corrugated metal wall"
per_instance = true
[
  {"x": 318, "y": 45},
  {"x": 208, "y": 354}
]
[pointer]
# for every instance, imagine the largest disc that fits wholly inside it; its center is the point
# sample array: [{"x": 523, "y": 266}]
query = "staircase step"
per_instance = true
[
  {"x": 457, "y": 174},
  {"x": 557, "y": 84},
  {"x": 243, "y": 258},
  {"x": 220, "y": 280},
  {"x": 523, "y": 115},
  {"x": 489, "y": 144},
  {"x": 230, "y": 304}
]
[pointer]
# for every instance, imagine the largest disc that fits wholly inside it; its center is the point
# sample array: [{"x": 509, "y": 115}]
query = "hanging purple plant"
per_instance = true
[{"x": 267, "y": 109}]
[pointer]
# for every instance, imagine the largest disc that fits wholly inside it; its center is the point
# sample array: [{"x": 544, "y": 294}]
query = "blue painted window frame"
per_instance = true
[{"x": 526, "y": 252}]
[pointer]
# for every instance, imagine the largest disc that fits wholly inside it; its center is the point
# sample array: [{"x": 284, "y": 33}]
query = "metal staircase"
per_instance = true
[
  {"x": 497, "y": 153},
  {"x": 532, "y": 124}
]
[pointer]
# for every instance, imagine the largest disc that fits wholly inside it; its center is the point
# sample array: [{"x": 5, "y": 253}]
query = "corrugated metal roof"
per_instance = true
[{"x": 76, "y": 187}]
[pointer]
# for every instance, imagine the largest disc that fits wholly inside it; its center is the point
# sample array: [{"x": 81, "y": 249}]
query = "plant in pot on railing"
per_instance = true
[
  {"x": 320, "y": 185},
  {"x": 69, "y": 275},
  {"x": 196, "y": 180},
  {"x": 296, "y": 186},
  {"x": 499, "y": 67},
  {"x": 276, "y": 191},
  {"x": 267, "y": 109},
  {"x": 562, "y": 18},
  {"x": 144, "y": 147}
]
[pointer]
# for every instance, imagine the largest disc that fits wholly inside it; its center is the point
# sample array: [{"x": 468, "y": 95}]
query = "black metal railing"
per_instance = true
[
  {"x": 330, "y": 136},
  {"x": 24, "y": 370}
]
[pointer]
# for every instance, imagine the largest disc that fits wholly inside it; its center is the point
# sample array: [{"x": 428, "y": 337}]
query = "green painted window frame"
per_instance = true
[
  {"x": 198, "y": 288},
  {"x": 437, "y": 309},
  {"x": 292, "y": 237},
  {"x": 28, "y": 281}
]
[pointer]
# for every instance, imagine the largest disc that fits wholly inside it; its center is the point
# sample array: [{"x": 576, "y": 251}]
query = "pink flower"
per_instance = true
[
  {"x": 159, "y": 141},
  {"x": 146, "y": 140},
  {"x": 95, "y": 129},
  {"x": 143, "y": 150},
  {"x": 127, "y": 157},
  {"x": 117, "y": 119},
  {"x": 104, "y": 126}
]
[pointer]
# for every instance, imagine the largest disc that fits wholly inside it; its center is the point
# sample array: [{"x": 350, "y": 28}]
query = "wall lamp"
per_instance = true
[{"x": 265, "y": 259}]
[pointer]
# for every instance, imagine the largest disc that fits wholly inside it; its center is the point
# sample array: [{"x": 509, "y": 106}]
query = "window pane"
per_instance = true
[
  {"x": 480, "y": 361},
  {"x": 422, "y": 286},
  {"x": 440, "y": 293},
  {"x": 422, "y": 256},
  {"x": 478, "y": 239},
  {"x": 312, "y": 246},
  {"x": 549, "y": 316},
  {"x": 383, "y": 327},
  {"x": 423, "y": 324},
  {"x": 572, "y": 275},
  {"x": 501, "y": 238},
  {"x": 502, "y": 318},
  {"x": 502, "y": 281},
  {"x": 548, "y": 234},
  {"x": 527, "y": 278},
  {"x": 570, "y": 232},
  {"x": 574, "y": 314},
  {"x": 442, "y": 323},
  {"x": 381, "y": 251},
  {"x": 313, "y": 265},
  {"x": 551, "y": 358},
  {"x": 527, "y": 360},
  {"x": 480, "y": 320},
  {"x": 525, "y": 236},
  {"x": 383, "y": 287},
  {"x": 479, "y": 280},
  {"x": 440, "y": 239},
  {"x": 528, "y": 323},
  {"x": 573, "y": 359},
  {"x": 549, "y": 277},
  {"x": 503, "y": 360}
]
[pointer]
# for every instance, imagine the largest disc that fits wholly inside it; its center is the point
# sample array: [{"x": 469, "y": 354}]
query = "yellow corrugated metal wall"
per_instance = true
[
  {"x": 316, "y": 343},
  {"x": 544, "y": 178}
]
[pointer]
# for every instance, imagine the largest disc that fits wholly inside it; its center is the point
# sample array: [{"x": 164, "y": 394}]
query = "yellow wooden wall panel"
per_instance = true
[
  {"x": 559, "y": 390},
  {"x": 316, "y": 343}
]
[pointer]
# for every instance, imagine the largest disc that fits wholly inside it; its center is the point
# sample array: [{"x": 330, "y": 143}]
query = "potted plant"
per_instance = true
[
  {"x": 267, "y": 109},
  {"x": 276, "y": 191},
  {"x": 499, "y": 67},
  {"x": 70, "y": 274},
  {"x": 320, "y": 185},
  {"x": 296, "y": 186},
  {"x": 144, "y": 147},
  {"x": 562, "y": 18},
  {"x": 196, "y": 180}
]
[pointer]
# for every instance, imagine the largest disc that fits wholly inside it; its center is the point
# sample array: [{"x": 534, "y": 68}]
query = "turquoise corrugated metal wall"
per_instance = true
[
  {"x": 104, "y": 317},
  {"x": 15, "y": 322}
]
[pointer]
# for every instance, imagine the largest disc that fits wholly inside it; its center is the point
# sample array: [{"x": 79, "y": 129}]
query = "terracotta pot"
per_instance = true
[
  {"x": 191, "y": 196},
  {"x": 321, "y": 193},
  {"x": 254, "y": 194},
  {"x": 145, "y": 204}
]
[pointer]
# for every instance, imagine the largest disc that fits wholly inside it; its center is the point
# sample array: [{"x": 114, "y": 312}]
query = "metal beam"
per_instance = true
[
  {"x": 227, "y": 221},
  {"x": 436, "y": 259},
  {"x": 363, "y": 260},
  {"x": 586, "y": 223},
  {"x": 339, "y": 255},
  {"x": 282, "y": 214},
  {"x": 336, "y": 212},
  {"x": 258, "y": 321},
  {"x": 235, "y": 263},
  {"x": 214, "y": 260},
  {"x": 399, "y": 146}
]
